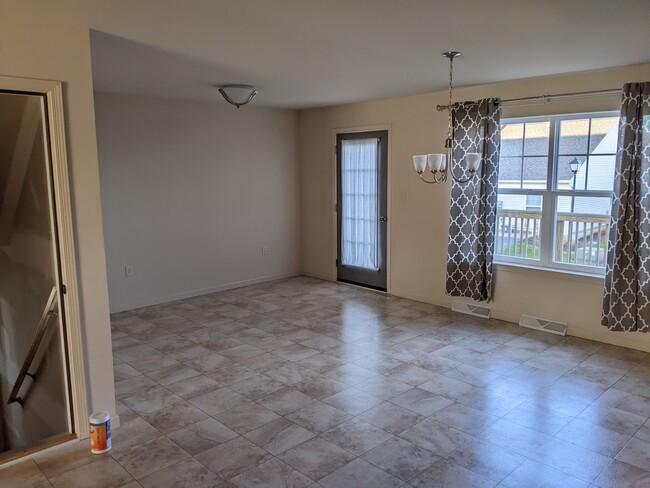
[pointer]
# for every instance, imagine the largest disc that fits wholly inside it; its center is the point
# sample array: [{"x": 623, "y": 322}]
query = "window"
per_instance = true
[
  {"x": 556, "y": 176},
  {"x": 533, "y": 203}
]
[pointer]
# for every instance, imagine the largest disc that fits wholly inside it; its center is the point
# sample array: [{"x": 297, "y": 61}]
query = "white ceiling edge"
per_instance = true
[
  {"x": 303, "y": 54},
  {"x": 440, "y": 92}
]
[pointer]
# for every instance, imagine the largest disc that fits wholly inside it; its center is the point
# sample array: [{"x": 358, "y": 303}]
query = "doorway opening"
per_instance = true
[{"x": 35, "y": 399}]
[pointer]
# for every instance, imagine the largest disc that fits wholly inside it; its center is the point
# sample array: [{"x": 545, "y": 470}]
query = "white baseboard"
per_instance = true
[
  {"x": 446, "y": 302},
  {"x": 202, "y": 291},
  {"x": 623, "y": 339},
  {"x": 319, "y": 275},
  {"x": 629, "y": 340}
]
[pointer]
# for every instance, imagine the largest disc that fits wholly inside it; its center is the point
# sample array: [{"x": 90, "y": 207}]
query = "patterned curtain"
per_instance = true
[
  {"x": 626, "y": 304},
  {"x": 474, "y": 204}
]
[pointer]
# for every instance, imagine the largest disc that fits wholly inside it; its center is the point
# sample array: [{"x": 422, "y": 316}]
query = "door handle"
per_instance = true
[{"x": 383, "y": 219}]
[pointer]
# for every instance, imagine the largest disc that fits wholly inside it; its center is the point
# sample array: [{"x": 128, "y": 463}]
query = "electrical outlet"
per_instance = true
[
  {"x": 128, "y": 270},
  {"x": 265, "y": 250}
]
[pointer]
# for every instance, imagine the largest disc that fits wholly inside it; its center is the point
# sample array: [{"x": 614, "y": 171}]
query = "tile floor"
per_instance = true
[{"x": 302, "y": 383}]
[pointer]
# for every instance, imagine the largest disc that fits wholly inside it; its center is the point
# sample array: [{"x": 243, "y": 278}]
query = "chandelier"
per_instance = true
[{"x": 437, "y": 163}]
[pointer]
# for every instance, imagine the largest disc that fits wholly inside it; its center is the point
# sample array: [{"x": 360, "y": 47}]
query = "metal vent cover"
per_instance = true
[
  {"x": 545, "y": 325},
  {"x": 476, "y": 310}
]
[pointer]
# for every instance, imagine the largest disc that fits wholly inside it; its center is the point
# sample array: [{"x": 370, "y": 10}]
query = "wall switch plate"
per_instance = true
[
  {"x": 265, "y": 250},
  {"x": 128, "y": 270}
]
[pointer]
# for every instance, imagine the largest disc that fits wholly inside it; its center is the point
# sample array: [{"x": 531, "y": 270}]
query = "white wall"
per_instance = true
[
  {"x": 191, "y": 192},
  {"x": 36, "y": 46},
  {"x": 419, "y": 213}
]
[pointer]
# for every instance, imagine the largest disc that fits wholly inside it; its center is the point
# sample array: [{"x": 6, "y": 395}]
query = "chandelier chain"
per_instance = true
[{"x": 451, "y": 80}]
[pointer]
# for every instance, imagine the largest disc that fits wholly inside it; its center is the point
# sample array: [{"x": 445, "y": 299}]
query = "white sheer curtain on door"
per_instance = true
[{"x": 359, "y": 220}]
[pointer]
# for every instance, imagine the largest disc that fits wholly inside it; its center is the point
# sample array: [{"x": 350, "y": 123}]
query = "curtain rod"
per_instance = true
[{"x": 547, "y": 98}]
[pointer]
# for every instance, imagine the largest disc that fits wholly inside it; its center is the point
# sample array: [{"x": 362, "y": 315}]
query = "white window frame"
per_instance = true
[{"x": 549, "y": 199}]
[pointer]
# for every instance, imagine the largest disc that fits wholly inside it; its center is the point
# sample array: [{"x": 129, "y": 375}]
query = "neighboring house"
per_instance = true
[{"x": 600, "y": 169}]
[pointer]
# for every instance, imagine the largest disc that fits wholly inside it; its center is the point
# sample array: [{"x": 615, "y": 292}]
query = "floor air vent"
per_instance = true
[
  {"x": 476, "y": 310},
  {"x": 544, "y": 325}
]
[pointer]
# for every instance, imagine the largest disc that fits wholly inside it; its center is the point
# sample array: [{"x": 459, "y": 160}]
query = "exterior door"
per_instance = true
[{"x": 362, "y": 171}]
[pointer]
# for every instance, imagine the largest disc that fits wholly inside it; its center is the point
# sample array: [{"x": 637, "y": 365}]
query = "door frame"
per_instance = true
[
  {"x": 334, "y": 222},
  {"x": 52, "y": 93}
]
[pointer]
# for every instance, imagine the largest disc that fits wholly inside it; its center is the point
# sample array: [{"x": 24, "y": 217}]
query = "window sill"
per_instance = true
[{"x": 560, "y": 273}]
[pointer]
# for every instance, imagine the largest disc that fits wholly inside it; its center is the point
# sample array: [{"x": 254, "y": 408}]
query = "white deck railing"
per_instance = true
[{"x": 579, "y": 238}]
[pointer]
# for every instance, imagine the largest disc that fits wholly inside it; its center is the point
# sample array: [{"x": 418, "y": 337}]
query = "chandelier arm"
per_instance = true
[
  {"x": 436, "y": 180},
  {"x": 463, "y": 181}
]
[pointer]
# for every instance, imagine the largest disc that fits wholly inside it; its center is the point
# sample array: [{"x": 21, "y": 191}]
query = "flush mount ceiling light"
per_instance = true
[
  {"x": 437, "y": 163},
  {"x": 237, "y": 95}
]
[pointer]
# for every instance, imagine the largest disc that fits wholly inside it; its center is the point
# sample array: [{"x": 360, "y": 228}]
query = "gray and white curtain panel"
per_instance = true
[
  {"x": 626, "y": 303},
  {"x": 474, "y": 204}
]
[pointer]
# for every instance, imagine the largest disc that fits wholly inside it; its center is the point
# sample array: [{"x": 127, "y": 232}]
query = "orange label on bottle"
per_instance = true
[{"x": 98, "y": 435}]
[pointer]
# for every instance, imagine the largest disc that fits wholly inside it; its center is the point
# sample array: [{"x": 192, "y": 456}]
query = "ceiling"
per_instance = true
[{"x": 308, "y": 53}]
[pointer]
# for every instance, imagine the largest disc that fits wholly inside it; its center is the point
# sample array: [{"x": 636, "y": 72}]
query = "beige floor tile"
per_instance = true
[
  {"x": 619, "y": 474},
  {"x": 151, "y": 400},
  {"x": 233, "y": 458},
  {"x": 144, "y": 459},
  {"x": 257, "y": 387},
  {"x": 445, "y": 474},
  {"x": 194, "y": 386},
  {"x": 486, "y": 459},
  {"x": 604, "y": 441},
  {"x": 421, "y": 401},
  {"x": 318, "y": 417},
  {"x": 246, "y": 417},
  {"x": 317, "y": 458},
  {"x": 464, "y": 418},
  {"x": 172, "y": 374},
  {"x": 132, "y": 433},
  {"x": 356, "y": 436},
  {"x": 285, "y": 401},
  {"x": 636, "y": 453},
  {"x": 572, "y": 459},
  {"x": 360, "y": 474},
  {"x": 535, "y": 475},
  {"x": 175, "y": 417},
  {"x": 102, "y": 472},
  {"x": 353, "y": 401},
  {"x": 232, "y": 373},
  {"x": 188, "y": 472},
  {"x": 435, "y": 437},
  {"x": 391, "y": 418},
  {"x": 401, "y": 458},
  {"x": 56, "y": 461},
  {"x": 218, "y": 401},
  {"x": 279, "y": 436},
  {"x": 202, "y": 436},
  {"x": 23, "y": 475},
  {"x": 273, "y": 473}
]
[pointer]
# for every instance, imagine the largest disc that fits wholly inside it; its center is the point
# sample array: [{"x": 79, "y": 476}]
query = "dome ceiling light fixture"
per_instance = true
[{"x": 237, "y": 95}]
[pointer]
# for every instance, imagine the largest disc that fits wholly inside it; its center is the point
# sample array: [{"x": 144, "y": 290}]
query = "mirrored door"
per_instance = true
[{"x": 34, "y": 406}]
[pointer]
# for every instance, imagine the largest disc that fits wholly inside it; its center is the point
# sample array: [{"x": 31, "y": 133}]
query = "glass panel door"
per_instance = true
[
  {"x": 362, "y": 205},
  {"x": 34, "y": 404}
]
